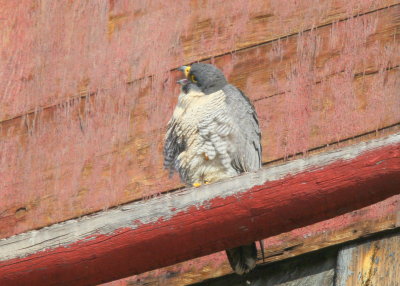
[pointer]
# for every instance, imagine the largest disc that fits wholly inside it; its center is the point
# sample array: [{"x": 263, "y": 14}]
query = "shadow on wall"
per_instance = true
[{"x": 306, "y": 270}]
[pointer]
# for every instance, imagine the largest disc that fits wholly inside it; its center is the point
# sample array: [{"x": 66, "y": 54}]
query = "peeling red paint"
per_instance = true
[
  {"x": 304, "y": 198},
  {"x": 214, "y": 262},
  {"x": 88, "y": 154},
  {"x": 51, "y": 49}
]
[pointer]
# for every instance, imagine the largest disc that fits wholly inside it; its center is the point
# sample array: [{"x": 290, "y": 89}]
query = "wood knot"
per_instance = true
[{"x": 21, "y": 212}]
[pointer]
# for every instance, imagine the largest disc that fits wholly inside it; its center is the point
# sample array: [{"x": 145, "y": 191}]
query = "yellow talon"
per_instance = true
[{"x": 196, "y": 185}]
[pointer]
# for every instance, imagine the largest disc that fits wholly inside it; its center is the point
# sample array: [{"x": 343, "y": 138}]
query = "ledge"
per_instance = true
[{"x": 189, "y": 223}]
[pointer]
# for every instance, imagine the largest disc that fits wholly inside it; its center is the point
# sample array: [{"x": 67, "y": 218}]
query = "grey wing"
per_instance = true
[
  {"x": 173, "y": 146},
  {"x": 232, "y": 133},
  {"x": 247, "y": 154}
]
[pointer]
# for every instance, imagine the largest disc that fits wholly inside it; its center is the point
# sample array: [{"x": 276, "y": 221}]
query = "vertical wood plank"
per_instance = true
[{"x": 372, "y": 263}]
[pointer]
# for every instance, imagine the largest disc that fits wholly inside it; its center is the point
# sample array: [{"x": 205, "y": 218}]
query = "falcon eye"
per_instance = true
[
  {"x": 193, "y": 78},
  {"x": 187, "y": 71}
]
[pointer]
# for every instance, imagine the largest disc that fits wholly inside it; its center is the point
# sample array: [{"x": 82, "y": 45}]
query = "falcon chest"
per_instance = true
[
  {"x": 193, "y": 107},
  {"x": 195, "y": 114}
]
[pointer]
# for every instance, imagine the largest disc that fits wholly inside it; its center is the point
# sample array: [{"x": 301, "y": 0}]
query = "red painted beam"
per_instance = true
[{"x": 175, "y": 227}]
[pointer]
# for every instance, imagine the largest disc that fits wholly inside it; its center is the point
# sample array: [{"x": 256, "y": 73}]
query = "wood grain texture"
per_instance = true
[
  {"x": 307, "y": 89},
  {"x": 361, "y": 223},
  {"x": 309, "y": 270},
  {"x": 103, "y": 150},
  {"x": 376, "y": 262},
  {"x": 123, "y": 241},
  {"x": 52, "y": 51}
]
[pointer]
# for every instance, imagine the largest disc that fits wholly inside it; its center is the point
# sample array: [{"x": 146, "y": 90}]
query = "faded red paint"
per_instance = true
[
  {"x": 213, "y": 262},
  {"x": 84, "y": 155},
  {"x": 305, "y": 88},
  {"x": 304, "y": 199},
  {"x": 53, "y": 50}
]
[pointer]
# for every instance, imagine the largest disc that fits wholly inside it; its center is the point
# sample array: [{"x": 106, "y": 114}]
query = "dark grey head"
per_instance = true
[{"x": 204, "y": 77}]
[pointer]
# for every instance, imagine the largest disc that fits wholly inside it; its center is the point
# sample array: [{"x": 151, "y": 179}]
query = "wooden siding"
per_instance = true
[
  {"x": 364, "y": 263},
  {"x": 132, "y": 239},
  {"x": 55, "y": 50},
  {"x": 84, "y": 99},
  {"x": 307, "y": 270},
  {"x": 348, "y": 227},
  {"x": 376, "y": 262}
]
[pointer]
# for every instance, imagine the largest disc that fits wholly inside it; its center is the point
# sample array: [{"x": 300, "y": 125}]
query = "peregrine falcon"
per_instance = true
[{"x": 213, "y": 134}]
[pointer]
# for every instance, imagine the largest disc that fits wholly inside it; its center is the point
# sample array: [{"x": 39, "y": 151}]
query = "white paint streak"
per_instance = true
[{"x": 166, "y": 206}]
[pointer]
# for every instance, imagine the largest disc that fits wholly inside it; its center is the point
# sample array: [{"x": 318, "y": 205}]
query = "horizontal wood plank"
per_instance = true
[
  {"x": 106, "y": 149},
  {"x": 37, "y": 182},
  {"x": 351, "y": 226},
  {"x": 298, "y": 121},
  {"x": 116, "y": 243},
  {"x": 52, "y": 51},
  {"x": 361, "y": 45}
]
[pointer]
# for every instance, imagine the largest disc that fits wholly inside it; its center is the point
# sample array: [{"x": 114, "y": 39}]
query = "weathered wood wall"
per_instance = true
[
  {"x": 373, "y": 262},
  {"x": 307, "y": 270},
  {"x": 86, "y": 89},
  {"x": 376, "y": 262},
  {"x": 185, "y": 224},
  {"x": 352, "y": 226}
]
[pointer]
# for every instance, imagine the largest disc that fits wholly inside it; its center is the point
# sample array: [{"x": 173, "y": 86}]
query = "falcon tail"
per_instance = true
[{"x": 242, "y": 258}]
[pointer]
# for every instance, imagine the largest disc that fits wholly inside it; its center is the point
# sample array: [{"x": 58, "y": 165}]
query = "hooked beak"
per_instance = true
[
  {"x": 182, "y": 68},
  {"x": 182, "y": 82}
]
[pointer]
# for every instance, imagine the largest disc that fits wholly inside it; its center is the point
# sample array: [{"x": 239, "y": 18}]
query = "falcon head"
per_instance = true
[{"x": 202, "y": 77}]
